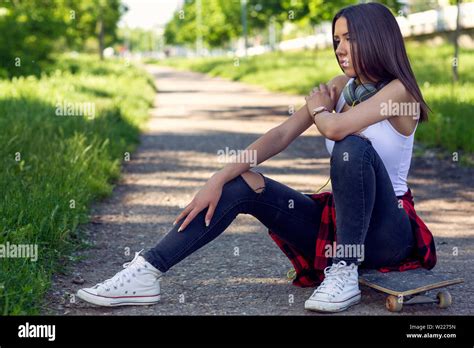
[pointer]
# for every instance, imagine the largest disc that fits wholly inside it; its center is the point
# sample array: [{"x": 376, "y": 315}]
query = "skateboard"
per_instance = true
[{"x": 409, "y": 287}]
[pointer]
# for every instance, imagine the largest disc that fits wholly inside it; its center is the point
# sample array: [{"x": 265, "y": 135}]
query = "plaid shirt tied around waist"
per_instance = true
[{"x": 310, "y": 272}]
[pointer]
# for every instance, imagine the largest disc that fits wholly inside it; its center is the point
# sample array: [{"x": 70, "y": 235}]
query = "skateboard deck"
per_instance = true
[{"x": 408, "y": 287}]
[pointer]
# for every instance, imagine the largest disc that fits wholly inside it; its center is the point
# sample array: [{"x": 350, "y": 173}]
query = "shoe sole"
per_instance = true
[
  {"x": 115, "y": 302},
  {"x": 331, "y": 307}
]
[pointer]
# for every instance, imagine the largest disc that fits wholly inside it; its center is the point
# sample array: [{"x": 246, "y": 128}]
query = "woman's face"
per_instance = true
[{"x": 343, "y": 50}]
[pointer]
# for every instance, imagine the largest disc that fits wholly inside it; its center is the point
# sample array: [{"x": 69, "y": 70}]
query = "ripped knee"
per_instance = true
[{"x": 254, "y": 180}]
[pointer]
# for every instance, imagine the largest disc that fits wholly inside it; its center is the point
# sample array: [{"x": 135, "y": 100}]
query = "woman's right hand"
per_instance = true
[{"x": 208, "y": 196}]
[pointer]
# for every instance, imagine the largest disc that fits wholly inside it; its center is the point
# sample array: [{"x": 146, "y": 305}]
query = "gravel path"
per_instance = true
[{"x": 194, "y": 116}]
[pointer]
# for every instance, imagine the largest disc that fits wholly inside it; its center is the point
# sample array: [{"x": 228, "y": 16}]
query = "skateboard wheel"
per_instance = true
[
  {"x": 444, "y": 298},
  {"x": 393, "y": 304}
]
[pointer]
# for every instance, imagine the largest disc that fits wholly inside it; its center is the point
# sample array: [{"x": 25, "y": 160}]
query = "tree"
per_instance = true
[
  {"x": 29, "y": 30},
  {"x": 94, "y": 19},
  {"x": 222, "y": 23},
  {"x": 33, "y": 30},
  {"x": 456, "y": 42}
]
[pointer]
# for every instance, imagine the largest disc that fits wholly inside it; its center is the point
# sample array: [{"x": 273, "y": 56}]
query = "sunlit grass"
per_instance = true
[{"x": 52, "y": 167}]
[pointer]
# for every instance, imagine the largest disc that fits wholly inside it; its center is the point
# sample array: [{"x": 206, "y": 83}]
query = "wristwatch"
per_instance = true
[{"x": 318, "y": 110}]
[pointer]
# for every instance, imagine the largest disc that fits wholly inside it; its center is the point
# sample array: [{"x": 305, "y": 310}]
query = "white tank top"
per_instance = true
[{"x": 394, "y": 149}]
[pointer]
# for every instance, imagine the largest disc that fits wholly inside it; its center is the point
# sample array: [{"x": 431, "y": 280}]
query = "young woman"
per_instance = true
[{"x": 370, "y": 138}]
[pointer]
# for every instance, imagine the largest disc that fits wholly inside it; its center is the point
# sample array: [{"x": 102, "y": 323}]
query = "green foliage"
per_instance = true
[
  {"x": 220, "y": 23},
  {"x": 28, "y": 35},
  {"x": 33, "y": 30},
  {"x": 52, "y": 167},
  {"x": 88, "y": 16},
  {"x": 221, "y": 19},
  {"x": 450, "y": 124},
  {"x": 140, "y": 40}
]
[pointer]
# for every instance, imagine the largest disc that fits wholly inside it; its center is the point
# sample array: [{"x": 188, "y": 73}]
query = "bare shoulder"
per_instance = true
[
  {"x": 404, "y": 125},
  {"x": 397, "y": 89}
]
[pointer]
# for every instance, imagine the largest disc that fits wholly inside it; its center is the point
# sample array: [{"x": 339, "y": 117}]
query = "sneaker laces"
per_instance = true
[
  {"x": 120, "y": 277},
  {"x": 335, "y": 278}
]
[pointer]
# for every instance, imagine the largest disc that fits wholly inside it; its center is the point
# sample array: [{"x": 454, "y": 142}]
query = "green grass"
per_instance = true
[
  {"x": 450, "y": 125},
  {"x": 53, "y": 167}
]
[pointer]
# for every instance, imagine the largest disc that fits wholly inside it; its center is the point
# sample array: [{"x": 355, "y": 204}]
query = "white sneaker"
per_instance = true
[
  {"x": 137, "y": 284},
  {"x": 338, "y": 291}
]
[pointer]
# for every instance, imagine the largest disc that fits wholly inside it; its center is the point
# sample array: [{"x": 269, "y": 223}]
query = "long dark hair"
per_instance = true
[{"x": 379, "y": 52}]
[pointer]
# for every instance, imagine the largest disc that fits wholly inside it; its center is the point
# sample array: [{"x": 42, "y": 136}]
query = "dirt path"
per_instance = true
[{"x": 196, "y": 115}]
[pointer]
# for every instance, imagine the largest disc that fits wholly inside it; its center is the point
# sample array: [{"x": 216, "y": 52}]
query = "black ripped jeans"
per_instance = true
[{"x": 368, "y": 215}]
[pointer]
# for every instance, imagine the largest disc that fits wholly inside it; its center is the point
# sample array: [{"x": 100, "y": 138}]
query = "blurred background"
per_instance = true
[{"x": 74, "y": 96}]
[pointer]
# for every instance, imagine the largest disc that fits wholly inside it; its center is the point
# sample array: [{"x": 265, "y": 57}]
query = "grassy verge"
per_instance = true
[
  {"x": 52, "y": 167},
  {"x": 298, "y": 72}
]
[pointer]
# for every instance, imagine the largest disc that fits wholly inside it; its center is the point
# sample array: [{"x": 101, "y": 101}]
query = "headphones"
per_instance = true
[{"x": 355, "y": 92}]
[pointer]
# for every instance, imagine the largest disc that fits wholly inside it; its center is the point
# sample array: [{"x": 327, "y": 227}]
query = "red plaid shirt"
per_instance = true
[{"x": 310, "y": 272}]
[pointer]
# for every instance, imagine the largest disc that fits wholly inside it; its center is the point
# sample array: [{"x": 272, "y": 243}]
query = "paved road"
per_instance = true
[{"x": 194, "y": 116}]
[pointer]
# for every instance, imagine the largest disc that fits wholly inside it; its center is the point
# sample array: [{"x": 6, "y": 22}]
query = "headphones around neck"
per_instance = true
[{"x": 355, "y": 92}]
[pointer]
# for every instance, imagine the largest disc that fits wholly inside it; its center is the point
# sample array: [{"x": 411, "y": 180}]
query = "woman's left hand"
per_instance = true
[{"x": 322, "y": 96}]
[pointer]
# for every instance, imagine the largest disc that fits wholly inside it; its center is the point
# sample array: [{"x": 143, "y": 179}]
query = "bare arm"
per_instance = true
[
  {"x": 265, "y": 147},
  {"x": 365, "y": 113},
  {"x": 275, "y": 140},
  {"x": 268, "y": 145},
  {"x": 302, "y": 120}
]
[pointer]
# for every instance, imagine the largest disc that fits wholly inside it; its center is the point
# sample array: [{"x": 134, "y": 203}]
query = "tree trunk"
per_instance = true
[{"x": 456, "y": 43}]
